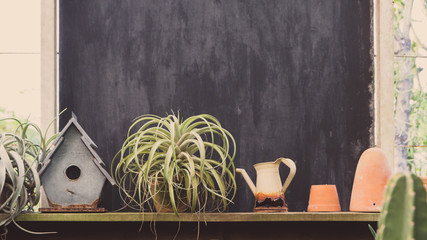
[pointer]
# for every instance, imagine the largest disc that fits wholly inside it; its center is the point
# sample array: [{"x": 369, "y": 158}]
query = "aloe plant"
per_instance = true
[
  {"x": 20, "y": 160},
  {"x": 186, "y": 164}
]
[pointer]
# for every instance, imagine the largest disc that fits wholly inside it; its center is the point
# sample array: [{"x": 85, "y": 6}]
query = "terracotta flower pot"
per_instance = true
[
  {"x": 323, "y": 198},
  {"x": 424, "y": 179},
  {"x": 164, "y": 206},
  {"x": 370, "y": 180},
  {"x": 162, "y": 202}
]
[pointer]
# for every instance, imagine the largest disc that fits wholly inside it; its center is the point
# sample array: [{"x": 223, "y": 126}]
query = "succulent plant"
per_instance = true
[
  {"x": 19, "y": 181},
  {"x": 404, "y": 212},
  {"x": 20, "y": 159},
  {"x": 186, "y": 164}
]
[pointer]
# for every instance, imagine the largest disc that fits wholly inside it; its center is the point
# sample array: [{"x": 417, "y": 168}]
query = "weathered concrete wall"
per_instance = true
[{"x": 287, "y": 78}]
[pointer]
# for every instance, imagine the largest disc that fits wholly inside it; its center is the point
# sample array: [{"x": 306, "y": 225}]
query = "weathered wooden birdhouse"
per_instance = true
[{"x": 73, "y": 175}]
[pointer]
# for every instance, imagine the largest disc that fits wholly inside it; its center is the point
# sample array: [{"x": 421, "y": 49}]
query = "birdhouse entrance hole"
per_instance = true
[{"x": 73, "y": 172}]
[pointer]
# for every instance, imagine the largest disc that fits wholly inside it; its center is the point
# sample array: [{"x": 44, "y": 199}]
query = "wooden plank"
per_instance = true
[
  {"x": 384, "y": 72},
  {"x": 208, "y": 217},
  {"x": 48, "y": 64}
]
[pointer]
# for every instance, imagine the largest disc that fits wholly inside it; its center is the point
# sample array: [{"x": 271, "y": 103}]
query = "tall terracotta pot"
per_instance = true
[
  {"x": 424, "y": 179},
  {"x": 370, "y": 180}
]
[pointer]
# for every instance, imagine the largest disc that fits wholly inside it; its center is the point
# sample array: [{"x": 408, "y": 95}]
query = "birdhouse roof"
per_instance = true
[{"x": 88, "y": 142}]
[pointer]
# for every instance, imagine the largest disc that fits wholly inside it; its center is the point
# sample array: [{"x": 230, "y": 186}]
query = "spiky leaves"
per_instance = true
[
  {"x": 186, "y": 164},
  {"x": 20, "y": 159},
  {"x": 404, "y": 212},
  {"x": 19, "y": 180}
]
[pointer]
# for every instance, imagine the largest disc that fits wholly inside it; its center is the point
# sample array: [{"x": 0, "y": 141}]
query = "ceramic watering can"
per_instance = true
[{"x": 269, "y": 192}]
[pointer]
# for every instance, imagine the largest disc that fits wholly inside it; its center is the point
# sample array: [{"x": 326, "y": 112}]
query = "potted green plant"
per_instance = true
[
  {"x": 404, "y": 212},
  {"x": 176, "y": 164},
  {"x": 22, "y": 152}
]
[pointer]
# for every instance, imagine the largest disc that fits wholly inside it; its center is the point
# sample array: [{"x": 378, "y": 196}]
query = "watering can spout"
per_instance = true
[{"x": 247, "y": 179}]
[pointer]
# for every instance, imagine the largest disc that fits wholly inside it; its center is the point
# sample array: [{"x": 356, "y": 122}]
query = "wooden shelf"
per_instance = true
[{"x": 208, "y": 217}]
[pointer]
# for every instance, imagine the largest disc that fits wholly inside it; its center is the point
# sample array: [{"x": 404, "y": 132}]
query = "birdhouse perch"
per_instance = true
[{"x": 73, "y": 175}]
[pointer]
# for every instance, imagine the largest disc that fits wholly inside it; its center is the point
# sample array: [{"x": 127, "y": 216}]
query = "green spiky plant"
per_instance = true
[
  {"x": 20, "y": 160},
  {"x": 176, "y": 164},
  {"x": 404, "y": 212}
]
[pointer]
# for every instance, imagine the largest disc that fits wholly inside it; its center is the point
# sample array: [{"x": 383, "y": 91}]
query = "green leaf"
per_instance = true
[
  {"x": 178, "y": 156},
  {"x": 373, "y": 232}
]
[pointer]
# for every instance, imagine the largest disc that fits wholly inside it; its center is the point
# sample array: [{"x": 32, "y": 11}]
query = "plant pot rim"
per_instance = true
[{"x": 323, "y": 185}]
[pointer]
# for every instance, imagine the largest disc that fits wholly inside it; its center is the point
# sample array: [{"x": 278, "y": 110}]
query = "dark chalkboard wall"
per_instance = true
[{"x": 288, "y": 78}]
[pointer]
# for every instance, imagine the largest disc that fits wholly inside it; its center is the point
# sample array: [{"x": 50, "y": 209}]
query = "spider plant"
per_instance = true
[
  {"x": 176, "y": 164},
  {"x": 20, "y": 160}
]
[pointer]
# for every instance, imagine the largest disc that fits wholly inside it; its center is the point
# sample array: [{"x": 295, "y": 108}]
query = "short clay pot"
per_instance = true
[
  {"x": 323, "y": 198},
  {"x": 370, "y": 180}
]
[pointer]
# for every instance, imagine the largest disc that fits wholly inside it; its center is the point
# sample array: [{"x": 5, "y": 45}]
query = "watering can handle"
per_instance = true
[{"x": 288, "y": 162}]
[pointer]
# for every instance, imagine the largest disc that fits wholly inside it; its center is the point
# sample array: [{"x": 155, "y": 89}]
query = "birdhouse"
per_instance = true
[{"x": 73, "y": 174}]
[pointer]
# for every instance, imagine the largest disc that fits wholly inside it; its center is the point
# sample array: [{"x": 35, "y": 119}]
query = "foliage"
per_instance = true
[
  {"x": 11, "y": 125},
  {"x": 19, "y": 181},
  {"x": 20, "y": 160},
  {"x": 404, "y": 212},
  {"x": 411, "y": 131},
  {"x": 186, "y": 163},
  {"x": 398, "y": 7},
  {"x": 374, "y": 234},
  {"x": 4, "y": 125},
  {"x": 417, "y": 155}
]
